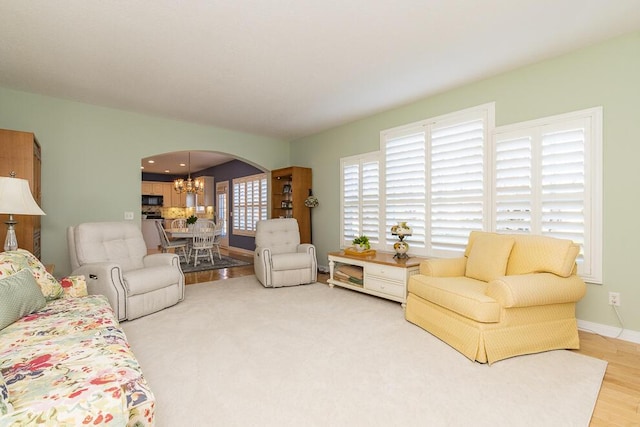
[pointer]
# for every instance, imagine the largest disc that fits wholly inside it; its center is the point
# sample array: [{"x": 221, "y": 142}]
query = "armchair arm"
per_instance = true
[
  {"x": 306, "y": 247},
  {"x": 105, "y": 278},
  {"x": 262, "y": 265},
  {"x": 311, "y": 250},
  {"x": 526, "y": 290},
  {"x": 444, "y": 267},
  {"x": 155, "y": 260}
]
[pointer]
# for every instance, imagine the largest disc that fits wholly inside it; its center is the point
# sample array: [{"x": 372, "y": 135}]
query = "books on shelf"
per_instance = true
[{"x": 350, "y": 273}]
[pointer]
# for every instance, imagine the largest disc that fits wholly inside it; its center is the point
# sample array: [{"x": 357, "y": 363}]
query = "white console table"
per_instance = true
[{"x": 383, "y": 275}]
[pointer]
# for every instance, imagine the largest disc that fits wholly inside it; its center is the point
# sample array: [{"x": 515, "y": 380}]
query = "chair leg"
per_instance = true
[{"x": 211, "y": 256}]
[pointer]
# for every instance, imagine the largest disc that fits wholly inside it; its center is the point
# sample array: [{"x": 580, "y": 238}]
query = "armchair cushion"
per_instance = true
[
  {"x": 538, "y": 254},
  {"x": 149, "y": 279},
  {"x": 488, "y": 257},
  {"x": 115, "y": 242},
  {"x": 290, "y": 261},
  {"x": 462, "y": 295}
]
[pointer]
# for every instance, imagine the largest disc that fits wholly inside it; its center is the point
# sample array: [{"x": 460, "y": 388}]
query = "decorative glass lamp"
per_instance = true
[
  {"x": 401, "y": 247},
  {"x": 16, "y": 199}
]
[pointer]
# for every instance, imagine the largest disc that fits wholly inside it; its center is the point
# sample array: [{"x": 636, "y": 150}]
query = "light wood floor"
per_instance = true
[{"x": 618, "y": 403}]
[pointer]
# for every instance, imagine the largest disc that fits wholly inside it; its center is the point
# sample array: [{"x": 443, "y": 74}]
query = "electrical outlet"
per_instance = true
[
  {"x": 614, "y": 298},
  {"x": 128, "y": 215}
]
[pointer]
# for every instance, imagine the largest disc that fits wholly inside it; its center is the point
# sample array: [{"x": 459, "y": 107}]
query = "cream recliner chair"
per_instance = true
[
  {"x": 279, "y": 258},
  {"x": 113, "y": 258}
]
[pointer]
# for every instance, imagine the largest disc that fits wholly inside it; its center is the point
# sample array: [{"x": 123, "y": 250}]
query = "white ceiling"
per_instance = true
[
  {"x": 183, "y": 162},
  {"x": 284, "y": 68}
]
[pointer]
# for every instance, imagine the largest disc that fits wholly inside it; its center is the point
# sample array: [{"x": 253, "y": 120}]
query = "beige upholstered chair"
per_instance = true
[
  {"x": 113, "y": 258},
  {"x": 279, "y": 258}
]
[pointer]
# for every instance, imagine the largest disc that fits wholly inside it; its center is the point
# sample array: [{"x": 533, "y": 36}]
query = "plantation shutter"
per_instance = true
[
  {"x": 249, "y": 203},
  {"x": 405, "y": 185},
  {"x": 562, "y": 184},
  {"x": 513, "y": 185},
  {"x": 457, "y": 184},
  {"x": 360, "y": 198},
  {"x": 546, "y": 176}
]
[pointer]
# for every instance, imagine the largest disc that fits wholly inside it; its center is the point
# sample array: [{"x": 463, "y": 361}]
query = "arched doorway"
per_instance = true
[{"x": 215, "y": 169}]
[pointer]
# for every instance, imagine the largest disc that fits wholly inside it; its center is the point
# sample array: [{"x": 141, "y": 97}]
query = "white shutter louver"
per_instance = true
[
  {"x": 405, "y": 186},
  {"x": 563, "y": 184},
  {"x": 513, "y": 181},
  {"x": 361, "y": 198},
  {"x": 456, "y": 184}
]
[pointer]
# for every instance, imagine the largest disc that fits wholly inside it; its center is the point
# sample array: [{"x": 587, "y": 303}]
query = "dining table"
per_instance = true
[{"x": 187, "y": 233}]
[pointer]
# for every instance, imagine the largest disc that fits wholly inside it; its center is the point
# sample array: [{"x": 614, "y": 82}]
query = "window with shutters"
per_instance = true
[
  {"x": 548, "y": 181},
  {"x": 249, "y": 203},
  {"x": 360, "y": 198},
  {"x": 453, "y": 174},
  {"x": 434, "y": 179}
]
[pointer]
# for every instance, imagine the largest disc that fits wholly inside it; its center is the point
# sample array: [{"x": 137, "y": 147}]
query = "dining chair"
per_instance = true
[
  {"x": 217, "y": 237},
  {"x": 179, "y": 223},
  {"x": 175, "y": 244},
  {"x": 202, "y": 241}
]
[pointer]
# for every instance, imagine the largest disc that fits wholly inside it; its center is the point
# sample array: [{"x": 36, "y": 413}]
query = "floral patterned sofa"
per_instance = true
[{"x": 64, "y": 360}]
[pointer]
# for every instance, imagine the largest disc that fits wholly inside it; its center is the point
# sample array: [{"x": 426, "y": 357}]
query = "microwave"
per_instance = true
[{"x": 149, "y": 200}]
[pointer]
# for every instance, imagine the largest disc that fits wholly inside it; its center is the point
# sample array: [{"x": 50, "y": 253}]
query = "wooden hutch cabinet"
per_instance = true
[
  {"x": 289, "y": 189},
  {"x": 20, "y": 153}
]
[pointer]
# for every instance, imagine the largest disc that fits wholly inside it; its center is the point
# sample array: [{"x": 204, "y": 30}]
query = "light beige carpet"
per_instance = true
[{"x": 236, "y": 354}]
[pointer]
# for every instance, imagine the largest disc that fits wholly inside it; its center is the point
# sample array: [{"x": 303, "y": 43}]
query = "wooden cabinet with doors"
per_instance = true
[
  {"x": 20, "y": 153},
  {"x": 164, "y": 189},
  {"x": 289, "y": 189}
]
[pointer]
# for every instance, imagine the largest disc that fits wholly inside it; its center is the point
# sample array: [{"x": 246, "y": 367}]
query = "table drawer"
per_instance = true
[
  {"x": 393, "y": 273},
  {"x": 385, "y": 286}
]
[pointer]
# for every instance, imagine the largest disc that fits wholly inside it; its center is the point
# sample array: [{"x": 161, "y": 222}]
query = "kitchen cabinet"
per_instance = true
[
  {"x": 20, "y": 153},
  {"x": 164, "y": 189},
  {"x": 178, "y": 200}
]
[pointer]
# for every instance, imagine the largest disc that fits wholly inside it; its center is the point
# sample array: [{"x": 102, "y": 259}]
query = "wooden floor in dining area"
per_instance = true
[{"x": 618, "y": 403}]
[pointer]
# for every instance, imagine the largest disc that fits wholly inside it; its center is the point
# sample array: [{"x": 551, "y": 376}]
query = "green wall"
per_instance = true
[
  {"x": 605, "y": 75},
  {"x": 91, "y": 155},
  {"x": 91, "y": 158}
]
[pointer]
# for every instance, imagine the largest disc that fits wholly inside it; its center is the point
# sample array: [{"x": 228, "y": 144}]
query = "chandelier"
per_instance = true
[{"x": 189, "y": 186}]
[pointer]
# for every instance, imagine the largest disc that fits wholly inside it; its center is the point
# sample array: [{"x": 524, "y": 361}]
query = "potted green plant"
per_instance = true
[
  {"x": 361, "y": 243},
  {"x": 191, "y": 220}
]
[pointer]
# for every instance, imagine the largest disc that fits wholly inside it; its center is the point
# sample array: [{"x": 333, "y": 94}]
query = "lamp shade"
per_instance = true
[{"x": 16, "y": 198}]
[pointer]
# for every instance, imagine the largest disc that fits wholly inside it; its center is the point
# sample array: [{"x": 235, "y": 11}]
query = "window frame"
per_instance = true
[
  {"x": 589, "y": 268},
  {"x": 359, "y": 161}
]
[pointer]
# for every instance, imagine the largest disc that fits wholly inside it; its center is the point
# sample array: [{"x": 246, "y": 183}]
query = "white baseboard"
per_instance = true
[{"x": 609, "y": 331}]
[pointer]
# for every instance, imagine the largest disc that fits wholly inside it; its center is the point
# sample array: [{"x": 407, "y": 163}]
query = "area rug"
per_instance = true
[
  {"x": 234, "y": 353},
  {"x": 204, "y": 264}
]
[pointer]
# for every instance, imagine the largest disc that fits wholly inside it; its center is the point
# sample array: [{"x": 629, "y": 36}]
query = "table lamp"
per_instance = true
[{"x": 16, "y": 199}]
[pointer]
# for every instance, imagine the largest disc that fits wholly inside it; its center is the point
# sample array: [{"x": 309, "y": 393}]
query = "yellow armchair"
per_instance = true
[{"x": 509, "y": 295}]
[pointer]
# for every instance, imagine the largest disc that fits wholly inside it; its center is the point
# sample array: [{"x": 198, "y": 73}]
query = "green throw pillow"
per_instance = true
[{"x": 19, "y": 295}]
